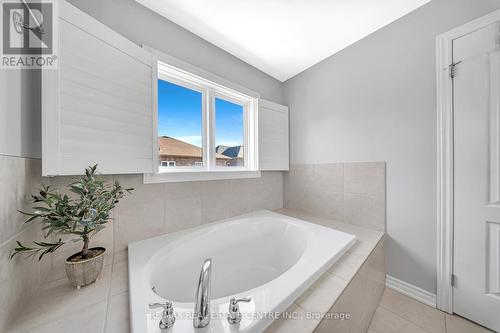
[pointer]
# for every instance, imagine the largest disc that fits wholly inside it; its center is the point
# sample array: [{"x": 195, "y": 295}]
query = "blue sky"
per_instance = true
[{"x": 179, "y": 116}]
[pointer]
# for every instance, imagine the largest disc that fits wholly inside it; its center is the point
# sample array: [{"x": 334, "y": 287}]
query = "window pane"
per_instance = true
[
  {"x": 229, "y": 133},
  {"x": 179, "y": 126}
]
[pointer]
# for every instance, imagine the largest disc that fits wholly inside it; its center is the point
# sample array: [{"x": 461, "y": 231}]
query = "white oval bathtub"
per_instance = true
[{"x": 270, "y": 257}]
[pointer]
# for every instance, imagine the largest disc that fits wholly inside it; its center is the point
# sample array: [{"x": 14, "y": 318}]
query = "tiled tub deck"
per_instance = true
[{"x": 353, "y": 285}]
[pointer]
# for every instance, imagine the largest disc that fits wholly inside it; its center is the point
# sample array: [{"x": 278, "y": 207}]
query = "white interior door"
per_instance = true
[{"x": 476, "y": 86}]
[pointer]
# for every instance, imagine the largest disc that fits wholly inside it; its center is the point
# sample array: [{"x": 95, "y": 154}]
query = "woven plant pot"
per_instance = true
[{"x": 86, "y": 271}]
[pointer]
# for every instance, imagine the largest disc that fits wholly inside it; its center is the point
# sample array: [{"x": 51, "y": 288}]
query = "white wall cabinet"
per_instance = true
[
  {"x": 99, "y": 106},
  {"x": 273, "y": 137}
]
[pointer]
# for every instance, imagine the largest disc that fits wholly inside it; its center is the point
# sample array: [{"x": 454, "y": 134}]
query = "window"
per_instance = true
[
  {"x": 167, "y": 163},
  {"x": 229, "y": 132},
  {"x": 180, "y": 117},
  {"x": 203, "y": 127}
]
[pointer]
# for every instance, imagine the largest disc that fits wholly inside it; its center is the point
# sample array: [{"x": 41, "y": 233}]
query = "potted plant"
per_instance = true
[{"x": 82, "y": 215}]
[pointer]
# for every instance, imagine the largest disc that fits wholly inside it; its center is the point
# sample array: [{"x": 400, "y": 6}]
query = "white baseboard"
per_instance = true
[{"x": 410, "y": 290}]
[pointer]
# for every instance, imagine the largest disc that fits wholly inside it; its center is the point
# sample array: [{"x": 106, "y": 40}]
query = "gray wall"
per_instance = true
[
  {"x": 20, "y": 116},
  {"x": 375, "y": 101}
]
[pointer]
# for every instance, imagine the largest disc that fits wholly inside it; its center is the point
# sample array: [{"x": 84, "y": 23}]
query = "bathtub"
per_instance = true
[{"x": 269, "y": 257}]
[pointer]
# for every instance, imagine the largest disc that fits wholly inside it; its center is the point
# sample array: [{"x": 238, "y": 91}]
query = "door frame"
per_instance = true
[{"x": 445, "y": 164}]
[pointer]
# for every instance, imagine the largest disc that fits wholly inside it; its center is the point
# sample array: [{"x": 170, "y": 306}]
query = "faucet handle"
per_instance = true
[
  {"x": 166, "y": 305},
  {"x": 168, "y": 317},
  {"x": 234, "y": 315},
  {"x": 236, "y": 300}
]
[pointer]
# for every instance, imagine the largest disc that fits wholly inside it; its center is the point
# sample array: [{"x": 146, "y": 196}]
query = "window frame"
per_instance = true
[
  {"x": 246, "y": 130},
  {"x": 210, "y": 90},
  {"x": 182, "y": 82}
]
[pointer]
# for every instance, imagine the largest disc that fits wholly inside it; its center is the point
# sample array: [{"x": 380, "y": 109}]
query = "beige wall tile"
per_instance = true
[
  {"x": 183, "y": 213},
  {"x": 297, "y": 325},
  {"x": 88, "y": 319},
  {"x": 316, "y": 189},
  {"x": 140, "y": 215},
  {"x": 117, "y": 319},
  {"x": 245, "y": 194},
  {"x": 349, "y": 192},
  {"x": 298, "y": 184},
  {"x": 347, "y": 266},
  {"x": 330, "y": 177},
  {"x": 182, "y": 190},
  {"x": 366, "y": 211},
  {"x": 362, "y": 247},
  {"x": 60, "y": 300},
  {"x": 377, "y": 263},
  {"x": 364, "y": 178},
  {"x": 215, "y": 196},
  {"x": 327, "y": 204},
  {"x": 335, "y": 322},
  {"x": 361, "y": 296},
  {"x": 19, "y": 278},
  {"x": 19, "y": 178},
  {"x": 323, "y": 294},
  {"x": 367, "y": 290},
  {"x": 119, "y": 277},
  {"x": 120, "y": 256},
  {"x": 267, "y": 191}
]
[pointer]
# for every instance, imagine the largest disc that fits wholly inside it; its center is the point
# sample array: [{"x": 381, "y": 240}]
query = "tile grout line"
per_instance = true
[
  {"x": 407, "y": 320},
  {"x": 305, "y": 310},
  {"x": 108, "y": 298},
  {"x": 111, "y": 273}
]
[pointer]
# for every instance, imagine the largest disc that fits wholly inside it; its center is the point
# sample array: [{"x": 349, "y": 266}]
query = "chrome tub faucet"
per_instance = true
[
  {"x": 202, "y": 307},
  {"x": 168, "y": 317},
  {"x": 234, "y": 314}
]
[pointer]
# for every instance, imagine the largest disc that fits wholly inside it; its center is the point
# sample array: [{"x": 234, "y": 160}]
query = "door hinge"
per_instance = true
[
  {"x": 453, "y": 69},
  {"x": 453, "y": 280}
]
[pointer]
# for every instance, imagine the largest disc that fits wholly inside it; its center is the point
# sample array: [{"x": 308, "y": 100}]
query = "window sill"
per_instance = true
[{"x": 192, "y": 176}]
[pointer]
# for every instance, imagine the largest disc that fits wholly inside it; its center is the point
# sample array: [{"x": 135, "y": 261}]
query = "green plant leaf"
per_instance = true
[{"x": 83, "y": 215}]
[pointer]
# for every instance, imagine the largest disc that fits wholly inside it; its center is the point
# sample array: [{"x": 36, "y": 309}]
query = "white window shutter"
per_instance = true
[
  {"x": 99, "y": 106},
  {"x": 273, "y": 136}
]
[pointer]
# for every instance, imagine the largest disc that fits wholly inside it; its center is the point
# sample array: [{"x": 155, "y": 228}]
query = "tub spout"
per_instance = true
[{"x": 202, "y": 307}]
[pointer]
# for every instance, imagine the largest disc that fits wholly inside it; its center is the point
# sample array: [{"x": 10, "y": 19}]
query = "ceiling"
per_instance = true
[{"x": 282, "y": 37}]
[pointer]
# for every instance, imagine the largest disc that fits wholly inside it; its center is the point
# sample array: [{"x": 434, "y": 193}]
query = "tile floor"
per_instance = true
[{"x": 397, "y": 313}]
